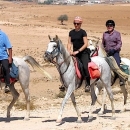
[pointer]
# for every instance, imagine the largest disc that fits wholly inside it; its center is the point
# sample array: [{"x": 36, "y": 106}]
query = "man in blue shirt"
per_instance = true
[{"x": 5, "y": 58}]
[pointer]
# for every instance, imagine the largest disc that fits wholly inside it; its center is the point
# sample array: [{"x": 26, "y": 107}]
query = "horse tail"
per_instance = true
[{"x": 36, "y": 66}]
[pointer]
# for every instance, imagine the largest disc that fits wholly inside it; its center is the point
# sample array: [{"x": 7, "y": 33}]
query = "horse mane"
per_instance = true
[
  {"x": 63, "y": 50},
  {"x": 102, "y": 48}
]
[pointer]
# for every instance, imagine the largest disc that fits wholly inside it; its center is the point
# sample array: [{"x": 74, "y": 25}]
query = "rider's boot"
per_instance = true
[
  {"x": 87, "y": 84},
  {"x": 62, "y": 88},
  {"x": 7, "y": 88}
]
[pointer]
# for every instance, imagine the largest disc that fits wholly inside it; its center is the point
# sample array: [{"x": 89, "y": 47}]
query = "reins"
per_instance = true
[{"x": 59, "y": 65}]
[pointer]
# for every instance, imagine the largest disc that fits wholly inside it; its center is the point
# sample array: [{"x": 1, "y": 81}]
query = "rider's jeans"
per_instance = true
[{"x": 5, "y": 64}]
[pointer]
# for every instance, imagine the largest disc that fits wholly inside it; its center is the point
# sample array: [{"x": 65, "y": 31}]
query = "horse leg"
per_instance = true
[
  {"x": 27, "y": 98},
  {"x": 15, "y": 95},
  {"x": 103, "y": 102},
  {"x": 68, "y": 94},
  {"x": 76, "y": 108},
  {"x": 97, "y": 91},
  {"x": 110, "y": 94},
  {"x": 125, "y": 94},
  {"x": 93, "y": 98},
  {"x": 24, "y": 75}
]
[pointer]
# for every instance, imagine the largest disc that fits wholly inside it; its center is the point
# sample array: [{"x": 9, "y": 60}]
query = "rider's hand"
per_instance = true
[
  {"x": 111, "y": 52},
  {"x": 75, "y": 53},
  {"x": 70, "y": 52},
  {"x": 10, "y": 60}
]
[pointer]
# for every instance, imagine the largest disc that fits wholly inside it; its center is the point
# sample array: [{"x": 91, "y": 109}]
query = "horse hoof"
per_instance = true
[
  {"x": 59, "y": 121},
  {"x": 8, "y": 115},
  {"x": 113, "y": 118},
  {"x": 100, "y": 113},
  {"x": 123, "y": 110},
  {"x": 26, "y": 119},
  {"x": 90, "y": 118},
  {"x": 79, "y": 121}
]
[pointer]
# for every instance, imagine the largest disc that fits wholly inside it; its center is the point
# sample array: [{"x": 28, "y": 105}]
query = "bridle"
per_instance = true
[
  {"x": 58, "y": 51},
  {"x": 95, "y": 52}
]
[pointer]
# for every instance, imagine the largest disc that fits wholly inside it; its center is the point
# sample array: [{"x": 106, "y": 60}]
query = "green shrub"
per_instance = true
[{"x": 62, "y": 18}]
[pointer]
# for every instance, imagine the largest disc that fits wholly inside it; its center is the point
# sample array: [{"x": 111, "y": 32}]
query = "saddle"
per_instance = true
[
  {"x": 13, "y": 74},
  {"x": 92, "y": 68}
]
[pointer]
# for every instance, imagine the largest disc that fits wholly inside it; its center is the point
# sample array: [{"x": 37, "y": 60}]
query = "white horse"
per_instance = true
[
  {"x": 96, "y": 46},
  {"x": 66, "y": 68},
  {"x": 23, "y": 78}
]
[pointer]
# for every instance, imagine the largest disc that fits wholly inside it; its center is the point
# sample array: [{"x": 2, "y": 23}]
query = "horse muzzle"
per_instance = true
[{"x": 48, "y": 57}]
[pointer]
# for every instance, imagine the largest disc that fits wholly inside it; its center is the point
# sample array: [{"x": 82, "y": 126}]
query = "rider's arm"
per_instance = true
[
  {"x": 10, "y": 52},
  {"x": 85, "y": 40},
  {"x": 69, "y": 45},
  {"x": 119, "y": 42},
  {"x": 85, "y": 44}
]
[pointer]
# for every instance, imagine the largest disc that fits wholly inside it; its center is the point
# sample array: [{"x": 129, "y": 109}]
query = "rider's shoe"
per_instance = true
[
  {"x": 121, "y": 83},
  {"x": 62, "y": 88},
  {"x": 87, "y": 88},
  {"x": 7, "y": 89}
]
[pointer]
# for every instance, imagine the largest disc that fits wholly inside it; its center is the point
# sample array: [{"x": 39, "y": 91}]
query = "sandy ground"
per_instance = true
[{"x": 28, "y": 26}]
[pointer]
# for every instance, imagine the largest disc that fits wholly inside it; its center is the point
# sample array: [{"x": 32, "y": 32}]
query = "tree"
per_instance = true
[{"x": 62, "y": 18}]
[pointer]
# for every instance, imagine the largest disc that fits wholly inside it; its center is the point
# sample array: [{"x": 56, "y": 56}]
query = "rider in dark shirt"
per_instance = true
[{"x": 78, "y": 38}]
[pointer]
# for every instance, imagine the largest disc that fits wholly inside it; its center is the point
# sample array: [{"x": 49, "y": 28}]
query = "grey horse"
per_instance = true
[
  {"x": 97, "y": 46},
  {"x": 23, "y": 78},
  {"x": 66, "y": 68}
]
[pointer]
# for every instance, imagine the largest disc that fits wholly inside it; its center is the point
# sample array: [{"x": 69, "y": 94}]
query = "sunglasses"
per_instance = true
[
  {"x": 77, "y": 23},
  {"x": 110, "y": 26}
]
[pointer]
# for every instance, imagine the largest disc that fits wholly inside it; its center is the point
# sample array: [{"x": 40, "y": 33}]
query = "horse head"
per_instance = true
[
  {"x": 96, "y": 47},
  {"x": 53, "y": 49},
  {"x": 93, "y": 46}
]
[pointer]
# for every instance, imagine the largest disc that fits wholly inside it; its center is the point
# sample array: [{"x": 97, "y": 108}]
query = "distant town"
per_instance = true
[{"x": 76, "y": 2}]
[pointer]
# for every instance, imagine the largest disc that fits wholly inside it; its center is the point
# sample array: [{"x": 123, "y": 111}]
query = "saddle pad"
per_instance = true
[
  {"x": 14, "y": 71},
  {"x": 93, "y": 70},
  {"x": 12, "y": 80},
  {"x": 76, "y": 68}
]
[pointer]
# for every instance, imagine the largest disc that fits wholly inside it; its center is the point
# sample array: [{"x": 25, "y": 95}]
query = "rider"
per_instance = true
[
  {"x": 112, "y": 41},
  {"x": 5, "y": 58},
  {"x": 78, "y": 38}
]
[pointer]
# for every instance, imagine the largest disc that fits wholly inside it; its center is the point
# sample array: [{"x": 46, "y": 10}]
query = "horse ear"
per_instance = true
[
  {"x": 97, "y": 41},
  {"x": 56, "y": 37},
  {"x": 90, "y": 42},
  {"x": 49, "y": 37}
]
